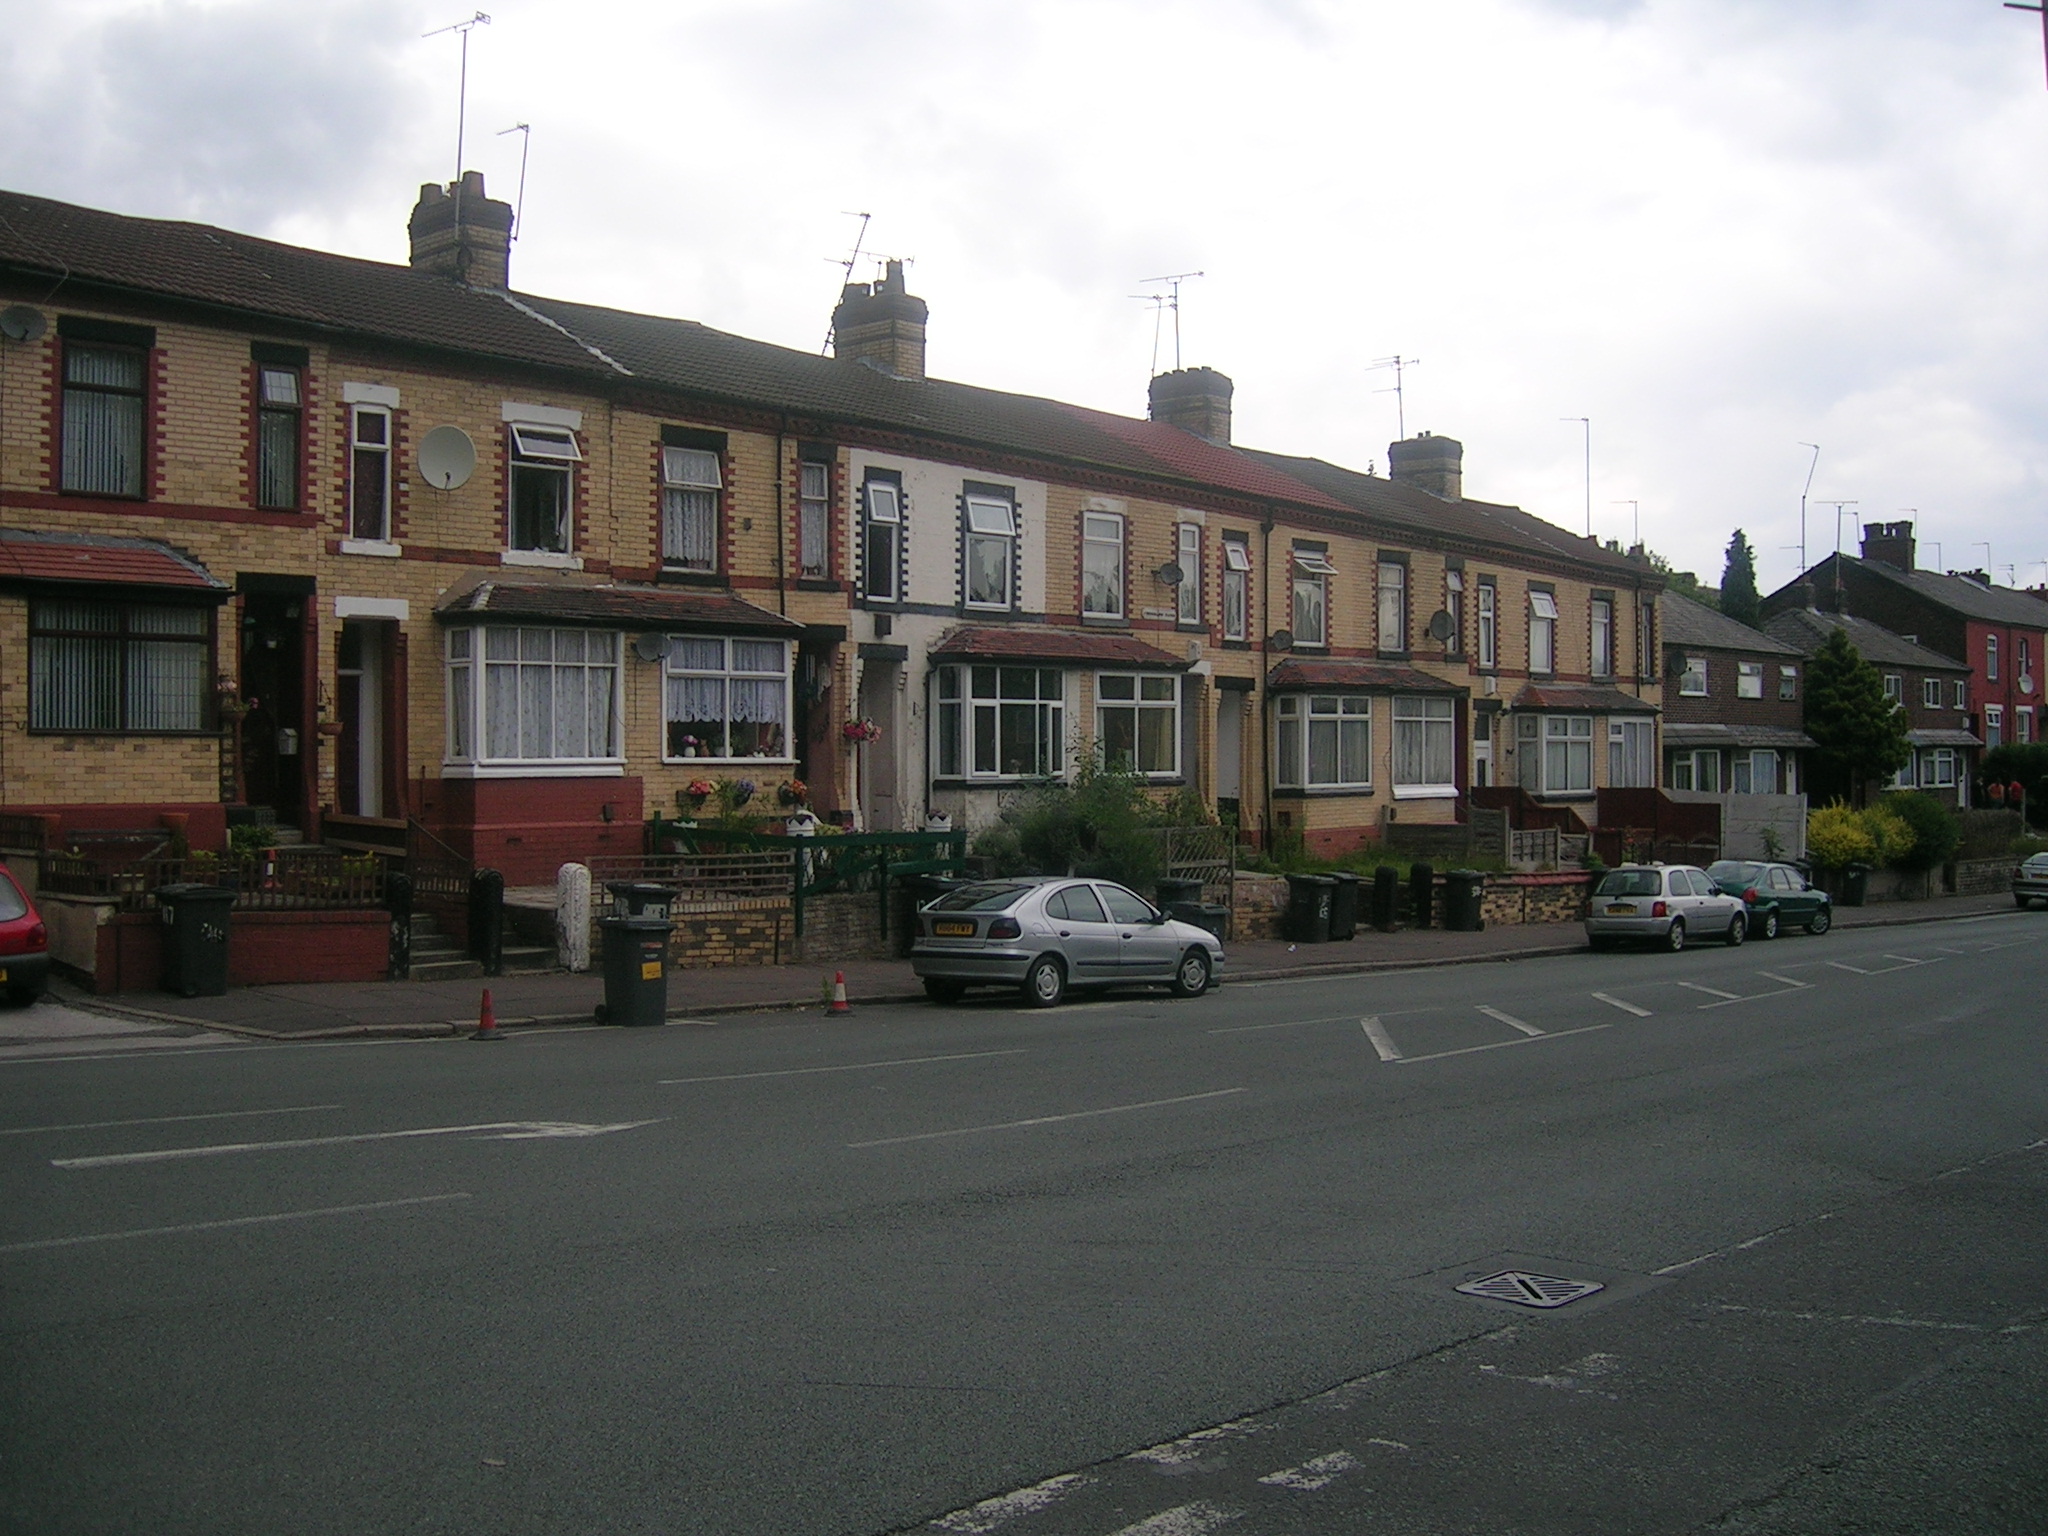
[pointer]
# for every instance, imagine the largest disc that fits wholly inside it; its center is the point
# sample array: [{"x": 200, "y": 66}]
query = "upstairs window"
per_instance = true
[
  {"x": 2026, "y": 664},
  {"x": 1454, "y": 605},
  {"x": 1962, "y": 694},
  {"x": 1895, "y": 689},
  {"x": 1489, "y": 626},
  {"x": 1102, "y": 565},
  {"x": 541, "y": 475},
  {"x": 881, "y": 541},
  {"x": 1603, "y": 637},
  {"x": 1312, "y": 573},
  {"x": 991, "y": 551},
  {"x": 814, "y": 520},
  {"x": 1542, "y": 632},
  {"x": 103, "y": 417},
  {"x": 1930, "y": 692},
  {"x": 278, "y": 409},
  {"x": 1788, "y": 684},
  {"x": 1991, "y": 658},
  {"x": 1692, "y": 683},
  {"x": 1749, "y": 679},
  {"x": 369, "y": 473},
  {"x": 1137, "y": 722},
  {"x": 690, "y": 488},
  {"x": 130, "y": 668},
  {"x": 1187, "y": 597},
  {"x": 1237, "y": 575},
  {"x": 1393, "y": 606}
]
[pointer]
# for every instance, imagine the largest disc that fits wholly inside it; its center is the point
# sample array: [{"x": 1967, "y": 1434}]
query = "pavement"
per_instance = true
[{"x": 426, "y": 1009}]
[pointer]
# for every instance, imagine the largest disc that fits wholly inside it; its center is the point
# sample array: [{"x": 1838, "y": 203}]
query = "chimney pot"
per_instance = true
[
  {"x": 1196, "y": 400},
  {"x": 1890, "y": 544},
  {"x": 1429, "y": 463},
  {"x": 461, "y": 232},
  {"x": 881, "y": 324}
]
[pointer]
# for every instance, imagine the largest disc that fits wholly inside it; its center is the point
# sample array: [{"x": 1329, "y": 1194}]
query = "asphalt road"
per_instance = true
[{"x": 1127, "y": 1266}]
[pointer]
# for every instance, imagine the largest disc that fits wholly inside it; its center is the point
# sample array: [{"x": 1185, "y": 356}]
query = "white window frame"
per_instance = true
[
  {"x": 1454, "y": 605},
  {"x": 1310, "y": 580},
  {"x": 1425, "y": 738},
  {"x": 881, "y": 523},
  {"x": 692, "y": 489},
  {"x": 1930, "y": 693},
  {"x": 537, "y": 451},
  {"x": 1788, "y": 684},
  {"x": 1962, "y": 693},
  {"x": 1566, "y": 740},
  {"x": 1685, "y": 768},
  {"x": 1991, "y": 658},
  {"x": 988, "y": 524},
  {"x": 1102, "y": 565},
  {"x": 970, "y": 695},
  {"x": 1187, "y": 597},
  {"x": 2023, "y": 725},
  {"x": 1601, "y": 648},
  {"x": 1149, "y": 693},
  {"x": 1631, "y": 754},
  {"x": 1941, "y": 768},
  {"x": 1393, "y": 606},
  {"x": 372, "y": 462},
  {"x": 1489, "y": 626},
  {"x": 1744, "y": 777},
  {"x": 1994, "y": 726},
  {"x": 1692, "y": 682},
  {"x": 280, "y": 401},
  {"x": 679, "y": 666},
  {"x": 1749, "y": 680},
  {"x": 1543, "y": 627},
  {"x": 1304, "y": 720},
  {"x": 1237, "y": 588},
  {"x": 467, "y": 667},
  {"x": 1895, "y": 689},
  {"x": 813, "y": 519}
]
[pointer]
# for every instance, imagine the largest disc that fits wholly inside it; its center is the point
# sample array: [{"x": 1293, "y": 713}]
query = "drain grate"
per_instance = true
[{"x": 1526, "y": 1289}]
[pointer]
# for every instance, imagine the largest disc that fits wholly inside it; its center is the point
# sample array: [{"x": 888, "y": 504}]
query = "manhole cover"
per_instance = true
[{"x": 1525, "y": 1289}]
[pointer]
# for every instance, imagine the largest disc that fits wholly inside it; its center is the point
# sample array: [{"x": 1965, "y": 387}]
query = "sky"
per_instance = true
[{"x": 1718, "y": 230}]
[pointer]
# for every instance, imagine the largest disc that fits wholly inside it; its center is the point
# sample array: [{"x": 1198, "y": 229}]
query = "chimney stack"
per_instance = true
[
  {"x": 458, "y": 232},
  {"x": 1196, "y": 400},
  {"x": 881, "y": 325},
  {"x": 1891, "y": 544},
  {"x": 1432, "y": 464}
]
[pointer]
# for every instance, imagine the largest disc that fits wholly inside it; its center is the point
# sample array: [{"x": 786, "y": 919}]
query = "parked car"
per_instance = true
[
  {"x": 2030, "y": 880},
  {"x": 1046, "y": 934},
  {"x": 24, "y": 944},
  {"x": 1662, "y": 904},
  {"x": 1779, "y": 896}
]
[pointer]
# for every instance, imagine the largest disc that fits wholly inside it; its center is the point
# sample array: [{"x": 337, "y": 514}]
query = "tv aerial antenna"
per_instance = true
[
  {"x": 462, "y": 29},
  {"x": 1158, "y": 303},
  {"x": 2043, "y": 10},
  {"x": 525, "y": 132},
  {"x": 1173, "y": 280},
  {"x": 852, "y": 260},
  {"x": 1399, "y": 364}
]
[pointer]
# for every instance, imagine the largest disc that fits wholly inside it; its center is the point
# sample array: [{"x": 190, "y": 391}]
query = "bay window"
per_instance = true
[
  {"x": 1425, "y": 747},
  {"x": 1137, "y": 722},
  {"x": 104, "y": 395},
  {"x": 1940, "y": 769},
  {"x": 1000, "y": 722},
  {"x": 119, "y": 667},
  {"x": 725, "y": 699},
  {"x": 1555, "y": 753},
  {"x": 1393, "y": 613},
  {"x": 1187, "y": 597},
  {"x": 991, "y": 551},
  {"x": 1102, "y": 565},
  {"x": 881, "y": 540},
  {"x": 1631, "y": 754},
  {"x": 1311, "y": 597},
  {"x": 1324, "y": 740},
  {"x": 1237, "y": 567},
  {"x": 1542, "y": 632},
  {"x": 690, "y": 489},
  {"x": 546, "y": 696},
  {"x": 541, "y": 490}
]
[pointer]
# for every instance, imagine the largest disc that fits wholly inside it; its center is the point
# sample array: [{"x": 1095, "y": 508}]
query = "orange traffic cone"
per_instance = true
[
  {"x": 839, "y": 1003},
  {"x": 487, "y": 1020}
]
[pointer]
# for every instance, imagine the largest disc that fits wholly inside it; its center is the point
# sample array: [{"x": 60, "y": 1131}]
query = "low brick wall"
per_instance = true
[
  {"x": 1514, "y": 900},
  {"x": 1257, "y": 904},
  {"x": 264, "y": 949},
  {"x": 763, "y": 932},
  {"x": 1983, "y": 877}
]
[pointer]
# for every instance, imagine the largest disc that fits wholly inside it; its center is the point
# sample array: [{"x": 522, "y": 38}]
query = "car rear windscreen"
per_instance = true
[
  {"x": 12, "y": 905},
  {"x": 979, "y": 898},
  {"x": 1735, "y": 869},
  {"x": 1631, "y": 882}
]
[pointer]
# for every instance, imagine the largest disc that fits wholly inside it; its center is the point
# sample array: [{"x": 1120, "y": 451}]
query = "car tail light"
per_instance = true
[
  {"x": 38, "y": 937},
  {"x": 1750, "y": 896},
  {"x": 1006, "y": 928},
  {"x": 1660, "y": 909}
]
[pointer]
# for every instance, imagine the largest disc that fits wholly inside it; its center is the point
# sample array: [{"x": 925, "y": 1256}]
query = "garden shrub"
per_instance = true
[
  {"x": 1937, "y": 833},
  {"x": 1836, "y": 836}
]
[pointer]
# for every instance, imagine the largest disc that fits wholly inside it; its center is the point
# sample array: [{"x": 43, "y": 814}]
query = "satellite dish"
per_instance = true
[
  {"x": 447, "y": 458},
  {"x": 1171, "y": 574},
  {"x": 1440, "y": 626},
  {"x": 1282, "y": 640},
  {"x": 22, "y": 322},
  {"x": 650, "y": 646}
]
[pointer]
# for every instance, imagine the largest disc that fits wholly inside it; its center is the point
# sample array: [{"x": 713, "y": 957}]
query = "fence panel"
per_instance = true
[{"x": 292, "y": 879}]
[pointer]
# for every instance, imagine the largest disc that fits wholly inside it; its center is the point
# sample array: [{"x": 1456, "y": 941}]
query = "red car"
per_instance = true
[{"x": 24, "y": 944}]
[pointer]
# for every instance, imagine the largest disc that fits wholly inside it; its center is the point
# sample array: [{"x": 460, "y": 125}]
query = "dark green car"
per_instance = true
[{"x": 1779, "y": 896}]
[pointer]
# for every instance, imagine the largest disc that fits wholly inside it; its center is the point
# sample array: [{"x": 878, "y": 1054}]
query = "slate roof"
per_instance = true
[
  {"x": 1041, "y": 642},
  {"x": 1687, "y": 623},
  {"x": 1588, "y": 701},
  {"x": 1294, "y": 674},
  {"x": 1807, "y": 630},
  {"x": 1689, "y": 734},
  {"x": 101, "y": 560},
  {"x": 613, "y": 606},
  {"x": 1959, "y": 594},
  {"x": 1944, "y": 737}
]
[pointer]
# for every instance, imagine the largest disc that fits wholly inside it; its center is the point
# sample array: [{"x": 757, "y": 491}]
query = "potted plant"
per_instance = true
[
  {"x": 792, "y": 792},
  {"x": 860, "y": 731}
]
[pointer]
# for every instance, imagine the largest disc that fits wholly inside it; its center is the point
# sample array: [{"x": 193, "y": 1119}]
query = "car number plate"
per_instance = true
[
  {"x": 953, "y": 930},
  {"x": 1622, "y": 909},
  {"x": 3, "y": 973}
]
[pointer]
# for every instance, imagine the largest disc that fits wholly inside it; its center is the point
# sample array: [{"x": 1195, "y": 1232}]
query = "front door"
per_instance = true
[
  {"x": 362, "y": 661},
  {"x": 1229, "y": 754},
  {"x": 879, "y": 804},
  {"x": 275, "y": 745}
]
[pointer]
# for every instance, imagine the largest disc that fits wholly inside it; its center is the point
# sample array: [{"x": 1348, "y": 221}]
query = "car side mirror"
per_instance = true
[{"x": 1158, "y": 918}]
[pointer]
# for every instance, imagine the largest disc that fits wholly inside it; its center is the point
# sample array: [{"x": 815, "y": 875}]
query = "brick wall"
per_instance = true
[{"x": 264, "y": 948}]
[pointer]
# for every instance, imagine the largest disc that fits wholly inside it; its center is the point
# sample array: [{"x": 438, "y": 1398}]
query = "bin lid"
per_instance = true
[
  {"x": 639, "y": 921},
  {"x": 1313, "y": 879},
  {"x": 193, "y": 890},
  {"x": 641, "y": 888},
  {"x": 1342, "y": 876}
]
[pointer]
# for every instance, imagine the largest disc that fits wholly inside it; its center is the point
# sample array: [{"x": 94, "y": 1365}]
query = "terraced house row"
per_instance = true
[{"x": 346, "y": 539}]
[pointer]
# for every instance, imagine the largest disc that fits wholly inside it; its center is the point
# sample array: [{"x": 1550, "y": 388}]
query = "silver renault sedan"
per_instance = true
[
  {"x": 1662, "y": 904},
  {"x": 1044, "y": 934}
]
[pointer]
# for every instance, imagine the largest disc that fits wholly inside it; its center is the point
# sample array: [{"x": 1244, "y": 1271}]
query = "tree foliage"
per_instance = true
[
  {"x": 1859, "y": 734},
  {"x": 1937, "y": 833},
  {"x": 1739, "y": 600},
  {"x": 1099, "y": 821}
]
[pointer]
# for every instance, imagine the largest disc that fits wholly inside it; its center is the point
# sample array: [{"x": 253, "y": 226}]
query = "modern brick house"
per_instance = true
[
  {"x": 1997, "y": 632},
  {"x": 523, "y": 569},
  {"x": 1733, "y": 705},
  {"x": 1932, "y": 688}
]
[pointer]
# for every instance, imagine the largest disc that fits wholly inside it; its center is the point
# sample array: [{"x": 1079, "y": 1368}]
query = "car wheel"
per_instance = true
[
  {"x": 1738, "y": 930},
  {"x": 1600, "y": 941},
  {"x": 1675, "y": 939},
  {"x": 941, "y": 990},
  {"x": 1191, "y": 978},
  {"x": 2024, "y": 903},
  {"x": 1046, "y": 982},
  {"x": 1821, "y": 921},
  {"x": 23, "y": 997},
  {"x": 1768, "y": 929}
]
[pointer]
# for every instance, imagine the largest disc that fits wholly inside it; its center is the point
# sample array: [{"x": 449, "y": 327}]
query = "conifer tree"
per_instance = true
[
  {"x": 1859, "y": 734},
  {"x": 1738, "y": 581}
]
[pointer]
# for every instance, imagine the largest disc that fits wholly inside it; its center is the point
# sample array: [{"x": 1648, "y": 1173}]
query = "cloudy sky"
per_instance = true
[{"x": 1718, "y": 228}]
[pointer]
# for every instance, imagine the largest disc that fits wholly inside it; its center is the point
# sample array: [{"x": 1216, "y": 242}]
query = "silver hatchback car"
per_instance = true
[
  {"x": 1045, "y": 934},
  {"x": 1663, "y": 904}
]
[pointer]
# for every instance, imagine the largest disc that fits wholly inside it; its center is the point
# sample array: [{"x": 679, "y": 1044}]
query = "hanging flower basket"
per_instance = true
[{"x": 858, "y": 731}]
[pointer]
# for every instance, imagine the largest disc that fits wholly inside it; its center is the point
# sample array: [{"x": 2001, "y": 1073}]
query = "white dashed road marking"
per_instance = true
[
  {"x": 221, "y": 1226},
  {"x": 856, "y": 1066},
  {"x": 1018, "y": 1125},
  {"x": 1843, "y": 965},
  {"x": 496, "y": 1130},
  {"x": 1615, "y": 1002},
  {"x": 1196, "y": 1519},
  {"x": 993, "y": 1514},
  {"x": 1318, "y": 1472},
  {"x": 1510, "y": 1020},
  {"x": 1539, "y": 1037},
  {"x": 1733, "y": 997},
  {"x": 1787, "y": 980},
  {"x": 105, "y": 1125},
  {"x": 1377, "y": 1034}
]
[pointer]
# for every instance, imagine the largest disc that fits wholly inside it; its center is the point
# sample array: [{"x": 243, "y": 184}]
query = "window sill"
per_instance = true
[
  {"x": 1323, "y": 792},
  {"x": 534, "y": 770},
  {"x": 1235, "y": 645},
  {"x": 546, "y": 559},
  {"x": 55, "y": 733},
  {"x": 679, "y": 576},
  {"x": 819, "y": 584},
  {"x": 1425, "y": 791},
  {"x": 996, "y": 782},
  {"x": 728, "y": 762},
  {"x": 1105, "y": 621},
  {"x": 383, "y": 549}
]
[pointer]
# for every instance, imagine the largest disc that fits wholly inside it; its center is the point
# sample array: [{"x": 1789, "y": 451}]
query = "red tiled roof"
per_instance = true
[
  {"x": 1592, "y": 701},
  {"x": 1293, "y": 675},
  {"x": 1036, "y": 642},
  {"x": 26, "y": 556},
  {"x": 615, "y": 607}
]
